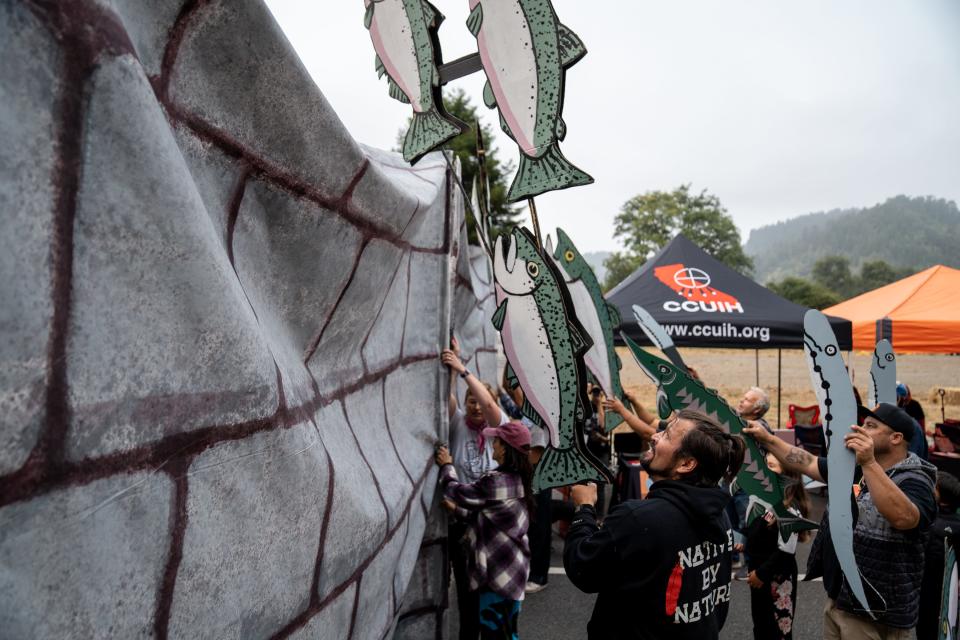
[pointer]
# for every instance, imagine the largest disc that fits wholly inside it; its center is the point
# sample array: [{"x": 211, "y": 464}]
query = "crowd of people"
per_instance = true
[{"x": 662, "y": 566}]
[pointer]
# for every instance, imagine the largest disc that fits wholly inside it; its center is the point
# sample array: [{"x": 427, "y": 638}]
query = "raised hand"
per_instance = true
[
  {"x": 452, "y": 360},
  {"x": 860, "y": 442}
]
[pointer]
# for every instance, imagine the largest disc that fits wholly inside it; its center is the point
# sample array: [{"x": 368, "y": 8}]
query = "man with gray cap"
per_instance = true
[{"x": 895, "y": 508}]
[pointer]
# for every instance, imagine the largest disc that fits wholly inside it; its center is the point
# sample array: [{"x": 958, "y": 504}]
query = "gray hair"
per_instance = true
[{"x": 763, "y": 404}]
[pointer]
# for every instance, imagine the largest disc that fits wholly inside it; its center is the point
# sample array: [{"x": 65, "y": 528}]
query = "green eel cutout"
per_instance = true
[
  {"x": 947, "y": 629},
  {"x": 677, "y": 390}
]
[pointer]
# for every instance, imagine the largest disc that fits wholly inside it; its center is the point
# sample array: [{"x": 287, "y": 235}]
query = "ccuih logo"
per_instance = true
[{"x": 693, "y": 285}]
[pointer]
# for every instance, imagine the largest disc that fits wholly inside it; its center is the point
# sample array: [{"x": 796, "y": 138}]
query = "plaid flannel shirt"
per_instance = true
[{"x": 494, "y": 509}]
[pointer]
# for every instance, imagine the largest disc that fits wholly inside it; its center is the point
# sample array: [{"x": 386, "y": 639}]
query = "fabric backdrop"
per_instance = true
[{"x": 219, "y": 378}]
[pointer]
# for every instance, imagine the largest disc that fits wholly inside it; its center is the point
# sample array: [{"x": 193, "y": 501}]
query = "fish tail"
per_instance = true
[
  {"x": 789, "y": 524},
  {"x": 562, "y": 467},
  {"x": 548, "y": 172},
  {"x": 428, "y": 130}
]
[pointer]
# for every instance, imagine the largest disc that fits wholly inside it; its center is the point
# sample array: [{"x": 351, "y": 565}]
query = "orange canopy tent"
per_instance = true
[{"x": 924, "y": 310}]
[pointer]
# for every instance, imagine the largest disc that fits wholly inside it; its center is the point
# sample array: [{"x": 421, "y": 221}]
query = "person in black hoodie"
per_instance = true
[
  {"x": 661, "y": 566},
  {"x": 945, "y": 527}
]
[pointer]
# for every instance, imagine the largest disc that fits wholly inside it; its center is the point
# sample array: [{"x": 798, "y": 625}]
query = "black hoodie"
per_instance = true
[{"x": 661, "y": 565}]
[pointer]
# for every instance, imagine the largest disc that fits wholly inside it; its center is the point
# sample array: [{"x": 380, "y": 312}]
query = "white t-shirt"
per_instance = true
[
  {"x": 538, "y": 435},
  {"x": 469, "y": 461}
]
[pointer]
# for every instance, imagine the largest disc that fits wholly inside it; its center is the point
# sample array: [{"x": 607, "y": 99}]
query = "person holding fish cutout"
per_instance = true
[
  {"x": 678, "y": 390},
  {"x": 771, "y": 561},
  {"x": 662, "y": 565},
  {"x": 895, "y": 507}
]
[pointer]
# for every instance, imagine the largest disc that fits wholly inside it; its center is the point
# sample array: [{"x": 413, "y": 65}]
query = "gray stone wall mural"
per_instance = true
[{"x": 219, "y": 337}]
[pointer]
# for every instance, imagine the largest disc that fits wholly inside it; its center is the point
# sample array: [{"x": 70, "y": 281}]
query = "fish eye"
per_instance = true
[
  {"x": 533, "y": 269},
  {"x": 568, "y": 255},
  {"x": 889, "y": 357},
  {"x": 830, "y": 350}
]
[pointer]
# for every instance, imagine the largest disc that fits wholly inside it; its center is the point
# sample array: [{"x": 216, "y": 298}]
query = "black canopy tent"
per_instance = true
[{"x": 701, "y": 302}]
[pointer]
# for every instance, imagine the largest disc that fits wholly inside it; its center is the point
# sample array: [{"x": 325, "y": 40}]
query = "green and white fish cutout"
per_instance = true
[
  {"x": 949, "y": 595},
  {"x": 598, "y": 318},
  {"x": 676, "y": 391},
  {"x": 544, "y": 345},
  {"x": 525, "y": 53},
  {"x": 883, "y": 375},
  {"x": 404, "y": 35},
  {"x": 838, "y": 410}
]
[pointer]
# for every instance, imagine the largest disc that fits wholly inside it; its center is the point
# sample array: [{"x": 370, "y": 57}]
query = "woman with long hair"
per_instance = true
[
  {"x": 772, "y": 562},
  {"x": 497, "y": 510}
]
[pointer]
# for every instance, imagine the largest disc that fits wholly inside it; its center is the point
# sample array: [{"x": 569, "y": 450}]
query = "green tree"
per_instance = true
[
  {"x": 647, "y": 222},
  {"x": 833, "y": 273},
  {"x": 619, "y": 265},
  {"x": 503, "y": 215},
  {"x": 874, "y": 274},
  {"x": 804, "y": 292}
]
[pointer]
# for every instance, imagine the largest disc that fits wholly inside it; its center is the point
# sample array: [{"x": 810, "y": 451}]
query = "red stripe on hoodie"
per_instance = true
[{"x": 673, "y": 588}]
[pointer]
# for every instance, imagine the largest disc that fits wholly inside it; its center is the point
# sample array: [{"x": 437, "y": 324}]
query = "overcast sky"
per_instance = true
[{"x": 779, "y": 108}]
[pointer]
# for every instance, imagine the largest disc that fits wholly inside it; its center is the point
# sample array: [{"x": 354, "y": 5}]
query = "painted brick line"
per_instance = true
[
  {"x": 425, "y": 509},
  {"x": 356, "y": 607},
  {"x": 363, "y": 456},
  {"x": 34, "y": 479},
  {"x": 233, "y": 212},
  {"x": 188, "y": 11},
  {"x": 369, "y": 379},
  {"x": 84, "y": 32},
  {"x": 325, "y": 525},
  {"x": 315, "y": 343},
  {"x": 284, "y": 180},
  {"x": 178, "y": 527},
  {"x": 363, "y": 344},
  {"x": 403, "y": 334},
  {"x": 461, "y": 281},
  {"x": 345, "y": 202},
  {"x": 393, "y": 443},
  {"x": 259, "y": 166},
  {"x": 316, "y": 607},
  {"x": 412, "y": 217}
]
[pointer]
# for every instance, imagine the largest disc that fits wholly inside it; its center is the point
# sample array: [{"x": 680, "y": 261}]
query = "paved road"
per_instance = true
[{"x": 561, "y": 611}]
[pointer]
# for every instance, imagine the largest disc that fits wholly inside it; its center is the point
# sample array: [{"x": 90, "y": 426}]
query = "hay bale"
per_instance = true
[{"x": 952, "y": 395}]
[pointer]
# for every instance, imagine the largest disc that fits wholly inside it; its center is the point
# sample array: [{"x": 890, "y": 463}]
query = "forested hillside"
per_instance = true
[{"x": 907, "y": 233}]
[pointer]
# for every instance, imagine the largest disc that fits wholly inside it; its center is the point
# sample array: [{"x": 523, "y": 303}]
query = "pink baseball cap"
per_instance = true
[{"x": 514, "y": 434}]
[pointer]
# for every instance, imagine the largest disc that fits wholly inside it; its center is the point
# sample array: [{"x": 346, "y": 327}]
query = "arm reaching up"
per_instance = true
[
  {"x": 792, "y": 458},
  {"x": 488, "y": 403},
  {"x": 633, "y": 421},
  {"x": 642, "y": 412}
]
